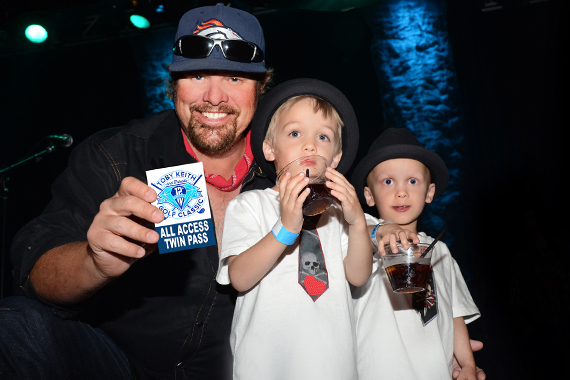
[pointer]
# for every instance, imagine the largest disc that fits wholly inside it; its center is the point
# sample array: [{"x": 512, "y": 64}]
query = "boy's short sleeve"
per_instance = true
[
  {"x": 370, "y": 220},
  {"x": 244, "y": 226},
  {"x": 463, "y": 304}
]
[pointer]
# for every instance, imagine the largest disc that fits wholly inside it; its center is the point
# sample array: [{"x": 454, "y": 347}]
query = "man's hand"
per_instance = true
[
  {"x": 390, "y": 233},
  {"x": 475, "y": 346},
  {"x": 115, "y": 240},
  {"x": 73, "y": 272}
]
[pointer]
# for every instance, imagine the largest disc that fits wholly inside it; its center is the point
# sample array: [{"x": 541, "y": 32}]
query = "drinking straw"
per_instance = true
[{"x": 434, "y": 241}]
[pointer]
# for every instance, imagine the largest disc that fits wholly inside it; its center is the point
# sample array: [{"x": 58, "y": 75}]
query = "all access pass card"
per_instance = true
[{"x": 183, "y": 199}]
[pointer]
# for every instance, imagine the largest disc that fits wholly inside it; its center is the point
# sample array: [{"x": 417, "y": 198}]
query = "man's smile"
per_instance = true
[{"x": 214, "y": 115}]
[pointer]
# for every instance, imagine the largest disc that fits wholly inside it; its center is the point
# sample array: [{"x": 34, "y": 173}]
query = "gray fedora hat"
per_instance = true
[
  {"x": 399, "y": 143},
  {"x": 304, "y": 86}
]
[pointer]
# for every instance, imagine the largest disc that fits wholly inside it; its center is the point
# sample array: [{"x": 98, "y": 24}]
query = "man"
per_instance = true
[
  {"x": 115, "y": 309},
  {"x": 160, "y": 315}
]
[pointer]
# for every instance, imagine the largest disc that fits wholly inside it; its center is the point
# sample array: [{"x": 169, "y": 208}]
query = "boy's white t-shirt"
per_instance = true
[
  {"x": 392, "y": 341},
  {"x": 278, "y": 331}
]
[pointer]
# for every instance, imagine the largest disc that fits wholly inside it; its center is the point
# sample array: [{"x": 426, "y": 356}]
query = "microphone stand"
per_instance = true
[
  {"x": 4, "y": 184},
  {"x": 5, "y": 190}
]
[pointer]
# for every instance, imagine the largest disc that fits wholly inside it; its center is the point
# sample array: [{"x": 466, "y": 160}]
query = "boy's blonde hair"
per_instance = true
[{"x": 319, "y": 105}]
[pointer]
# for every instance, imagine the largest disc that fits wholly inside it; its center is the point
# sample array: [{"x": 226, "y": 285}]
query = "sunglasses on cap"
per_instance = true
[{"x": 233, "y": 50}]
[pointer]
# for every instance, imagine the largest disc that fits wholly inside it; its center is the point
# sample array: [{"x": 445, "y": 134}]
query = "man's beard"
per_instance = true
[{"x": 212, "y": 140}]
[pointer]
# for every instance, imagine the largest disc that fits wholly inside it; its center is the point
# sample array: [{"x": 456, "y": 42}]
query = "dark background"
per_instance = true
[{"x": 512, "y": 71}]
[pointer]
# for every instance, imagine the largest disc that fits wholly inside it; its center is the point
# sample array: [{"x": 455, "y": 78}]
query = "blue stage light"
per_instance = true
[
  {"x": 140, "y": 22},
  {"x": 413, "y": 60},
  {"x": 36, "y": 33}
]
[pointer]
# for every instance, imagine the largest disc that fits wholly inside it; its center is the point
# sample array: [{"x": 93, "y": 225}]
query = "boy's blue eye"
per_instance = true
[
  {"x": 387, "y": 181},
  {"x": 294, "y": 134},
  {"x": 413, "y": 181},
  {"x": 324, "y": 137}
]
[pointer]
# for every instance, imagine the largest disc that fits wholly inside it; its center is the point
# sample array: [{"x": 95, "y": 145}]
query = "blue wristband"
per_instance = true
[
  {"x": 282, "y": 235},
  {"x": 382, "y": 223}
]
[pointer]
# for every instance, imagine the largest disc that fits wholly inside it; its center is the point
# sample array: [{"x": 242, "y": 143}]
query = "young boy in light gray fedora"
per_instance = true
[
  {"x": 409, "y": 336},
  {"x": 294, "y": 313}
]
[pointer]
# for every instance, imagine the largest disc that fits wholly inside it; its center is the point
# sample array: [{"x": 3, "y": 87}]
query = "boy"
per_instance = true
[
  {"x": 285, "y": 327},
  {"x": 410, "y": 336}
]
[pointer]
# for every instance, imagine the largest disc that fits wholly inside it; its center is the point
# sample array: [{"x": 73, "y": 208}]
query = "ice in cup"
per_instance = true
[
  {"x": 320, "y": 197},
  {"x": 406, "y": 270}
]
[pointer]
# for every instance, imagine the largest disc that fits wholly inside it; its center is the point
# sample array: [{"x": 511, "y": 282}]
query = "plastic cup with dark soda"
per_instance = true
[
  {"x": 406, "y": 270},
  {"x": 320, "y": 198}
]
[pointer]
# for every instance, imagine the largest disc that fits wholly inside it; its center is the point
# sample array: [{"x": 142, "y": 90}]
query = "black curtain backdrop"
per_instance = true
[{"x": 512, "y": 70}]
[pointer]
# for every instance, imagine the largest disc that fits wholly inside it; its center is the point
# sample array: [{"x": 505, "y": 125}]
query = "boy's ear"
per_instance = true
[
  {"x": 368, "y": 196},
  {"x": 268, "y": 151},
  {"x": 430, "y": 193},
  {"x": 336, "y": 159}
]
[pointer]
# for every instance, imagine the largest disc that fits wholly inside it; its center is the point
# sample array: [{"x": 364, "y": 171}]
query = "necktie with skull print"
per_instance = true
[{"x": 313, "y": 275}]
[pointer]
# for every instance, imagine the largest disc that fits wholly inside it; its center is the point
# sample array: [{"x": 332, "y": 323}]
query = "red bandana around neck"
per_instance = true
[{"x": 240, "y": 170}]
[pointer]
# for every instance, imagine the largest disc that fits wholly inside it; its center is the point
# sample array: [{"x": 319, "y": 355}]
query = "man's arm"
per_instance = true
[
  {"x": 462, "y": 350},
  {"x": 475, "y": 346},
  {"x": 73, "y": 272}
]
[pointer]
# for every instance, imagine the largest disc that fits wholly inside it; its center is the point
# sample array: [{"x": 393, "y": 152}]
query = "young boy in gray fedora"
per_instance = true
[
  {"x": 409, "y": 336},
  {"x": 294, "y": 314}
]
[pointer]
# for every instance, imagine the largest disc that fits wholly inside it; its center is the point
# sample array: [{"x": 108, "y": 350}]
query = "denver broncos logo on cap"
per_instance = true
[{"x": 217, "y": 30}]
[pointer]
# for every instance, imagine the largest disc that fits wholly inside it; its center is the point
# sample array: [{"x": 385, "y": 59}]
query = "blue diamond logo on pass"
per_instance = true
[
  {"x": 183, "y": 199},
  {"x": 179, "y": 195}
]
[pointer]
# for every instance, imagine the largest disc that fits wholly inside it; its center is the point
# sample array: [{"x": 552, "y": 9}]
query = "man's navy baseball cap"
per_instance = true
[{"x": 219, "y": 23}]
